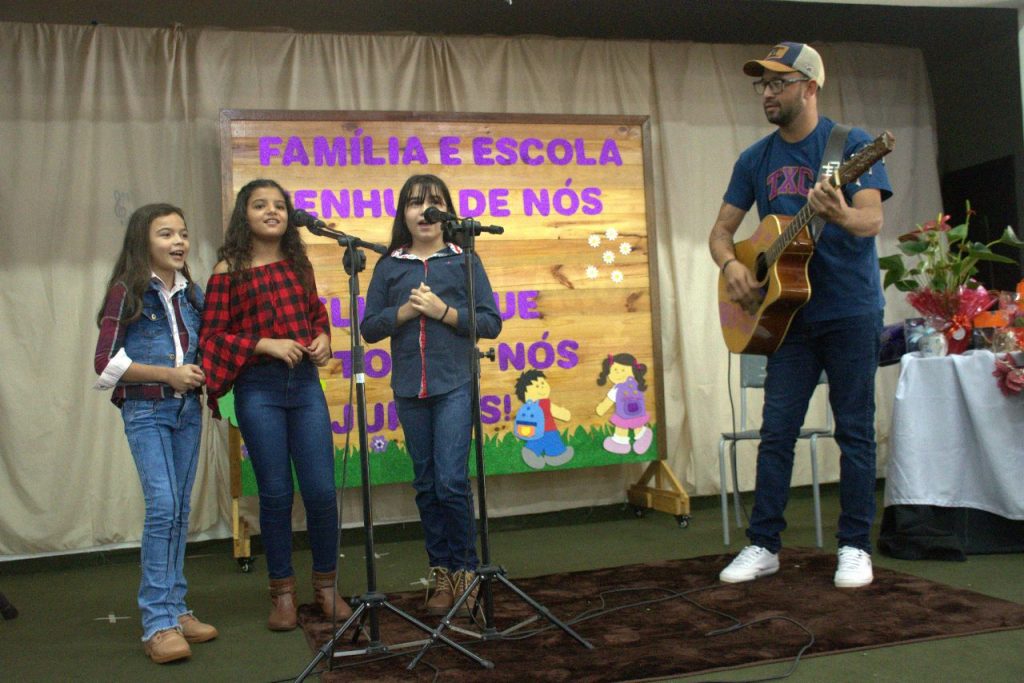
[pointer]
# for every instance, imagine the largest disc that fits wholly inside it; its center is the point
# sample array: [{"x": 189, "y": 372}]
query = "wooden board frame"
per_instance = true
[{"x": 345, "y": 123}]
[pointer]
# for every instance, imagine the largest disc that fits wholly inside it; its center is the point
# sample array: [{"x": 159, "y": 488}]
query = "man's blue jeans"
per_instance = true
[
  {"x": 847, "y": 349},
  {"x": 164, "y": 440},
  {"x": 282, "y": 414},
  {"x": 437, "y": 434}
]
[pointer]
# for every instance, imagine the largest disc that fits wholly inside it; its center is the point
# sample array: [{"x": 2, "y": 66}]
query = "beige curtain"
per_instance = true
[{"x": 99, "y": 120}]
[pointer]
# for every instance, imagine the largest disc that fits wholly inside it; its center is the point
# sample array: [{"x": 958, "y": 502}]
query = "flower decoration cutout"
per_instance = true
[
  {"x": 592, "y": 272},
  {"x": 378, "y": 444},
  {"x": 617, "y": 276},
  {"x": 594, "y": 241},
  {"x": 625, "y": 248},
  {"x": 611, "y": 234},
  {"x": 608, "y": 257}
]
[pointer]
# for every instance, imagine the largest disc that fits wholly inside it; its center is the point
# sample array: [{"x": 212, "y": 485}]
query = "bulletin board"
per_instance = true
[{"x": 574, "y": 273}]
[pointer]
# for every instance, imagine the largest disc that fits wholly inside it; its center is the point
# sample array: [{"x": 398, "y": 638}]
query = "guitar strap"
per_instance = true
[{"x": 830, "y": 161}]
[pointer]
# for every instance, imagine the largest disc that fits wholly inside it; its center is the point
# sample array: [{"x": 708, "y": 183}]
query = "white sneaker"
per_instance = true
[
  {"x": 854, "y": 568},
  {"x": 753, "y": 562}
]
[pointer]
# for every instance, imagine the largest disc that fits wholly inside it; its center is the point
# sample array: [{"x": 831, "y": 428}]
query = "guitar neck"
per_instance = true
[
  {"x": 801, "y": 220},
  {"x": 846, "y": 173}
]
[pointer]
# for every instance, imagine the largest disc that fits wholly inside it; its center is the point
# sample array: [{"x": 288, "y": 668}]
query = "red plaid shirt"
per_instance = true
[{"x": 242, "y": 308}]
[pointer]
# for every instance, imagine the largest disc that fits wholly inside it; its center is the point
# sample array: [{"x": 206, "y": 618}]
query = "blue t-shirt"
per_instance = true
[{"x": 844, "y": 273}]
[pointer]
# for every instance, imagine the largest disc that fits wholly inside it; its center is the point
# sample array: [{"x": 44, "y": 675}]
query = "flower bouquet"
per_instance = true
[
  {"x": 940, "y": 283},
  {"x": 1009, "y": 376}
]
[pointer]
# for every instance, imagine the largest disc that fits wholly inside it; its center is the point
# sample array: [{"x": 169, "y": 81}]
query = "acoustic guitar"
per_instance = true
[{"x": 777, "y": 254}]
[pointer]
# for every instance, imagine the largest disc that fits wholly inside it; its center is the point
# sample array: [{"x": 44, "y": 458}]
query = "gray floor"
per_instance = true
[{"x": 65, "y": 632}]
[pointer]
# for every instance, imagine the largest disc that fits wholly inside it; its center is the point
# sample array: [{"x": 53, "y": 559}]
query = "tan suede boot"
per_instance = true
[
  {"x": 441, "y": 598},
  {"x": 327, "y": 598},
  {"x": 282, "y": 596},
  {"x": 194, "y": 630},
  {"x": 167, "y": 646},
  {"x": 460, "y": 582}
]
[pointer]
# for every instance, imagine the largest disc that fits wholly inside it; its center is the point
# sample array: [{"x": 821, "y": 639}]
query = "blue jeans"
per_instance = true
[
  {"x": 164, "y": 440},
  {"x": 282, "y": 414},
  {"x": 847, "y": 349},
  {"x": 437, "y": 434}
]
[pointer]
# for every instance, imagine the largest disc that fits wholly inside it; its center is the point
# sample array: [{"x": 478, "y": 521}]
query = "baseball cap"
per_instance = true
[{"x": 789, "y": 57}]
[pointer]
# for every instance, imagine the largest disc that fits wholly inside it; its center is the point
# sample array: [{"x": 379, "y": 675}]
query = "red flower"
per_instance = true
[
  {"x": 1009, "y": 377},
  {"x": 939, "y": 225}
]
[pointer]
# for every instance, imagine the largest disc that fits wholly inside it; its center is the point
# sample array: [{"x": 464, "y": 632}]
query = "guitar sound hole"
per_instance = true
[{"x": 761, "y": 271}]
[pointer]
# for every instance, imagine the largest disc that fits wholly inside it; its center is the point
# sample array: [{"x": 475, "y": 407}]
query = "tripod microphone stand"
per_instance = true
[
  {"x": 7, "y": 610},
  {"x": 486, "y": 573},
  {"x": 369, "y": 604}
]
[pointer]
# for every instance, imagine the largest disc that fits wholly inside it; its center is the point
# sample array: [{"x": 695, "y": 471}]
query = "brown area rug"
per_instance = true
[{"x": 670, "y": 637}]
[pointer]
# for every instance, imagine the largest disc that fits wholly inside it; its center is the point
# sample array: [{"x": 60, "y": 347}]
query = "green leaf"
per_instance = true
[
  {"x": 913, "y": 248},
  {"x": 997, "y": 258},
  {"x": 892, "y": 263},
  {"x": 957, "y": 234},
  {"x": 906, "y": 286},
  {"x": 1009, "y": 238}
]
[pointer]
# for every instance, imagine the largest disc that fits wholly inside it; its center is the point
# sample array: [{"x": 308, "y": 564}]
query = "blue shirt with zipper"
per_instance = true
[{"x": 428, "y": 357}]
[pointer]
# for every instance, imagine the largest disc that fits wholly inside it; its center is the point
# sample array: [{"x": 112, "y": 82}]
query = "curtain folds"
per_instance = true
[{"x": 100, "y": 120}]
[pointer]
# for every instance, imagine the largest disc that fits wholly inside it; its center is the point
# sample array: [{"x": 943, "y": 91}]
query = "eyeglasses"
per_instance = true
[{"x": 776, "y": 85}]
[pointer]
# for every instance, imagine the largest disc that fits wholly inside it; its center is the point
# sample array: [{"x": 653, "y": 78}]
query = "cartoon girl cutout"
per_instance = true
[{"x": 626, "y": 398}]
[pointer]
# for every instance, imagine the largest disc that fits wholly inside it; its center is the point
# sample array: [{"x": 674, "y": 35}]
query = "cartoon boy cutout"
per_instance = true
[{"x": 547, "y": 448}]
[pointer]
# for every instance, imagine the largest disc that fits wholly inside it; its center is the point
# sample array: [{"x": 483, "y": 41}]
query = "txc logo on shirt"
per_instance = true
[{"x": 790, "y": 180}]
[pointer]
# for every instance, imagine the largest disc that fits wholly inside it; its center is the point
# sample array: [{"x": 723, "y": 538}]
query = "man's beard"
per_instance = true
[{"x": 784, "y": 115}]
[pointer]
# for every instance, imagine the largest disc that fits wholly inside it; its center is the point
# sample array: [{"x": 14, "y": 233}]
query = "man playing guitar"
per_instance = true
[{"x": 838, "y": 329}]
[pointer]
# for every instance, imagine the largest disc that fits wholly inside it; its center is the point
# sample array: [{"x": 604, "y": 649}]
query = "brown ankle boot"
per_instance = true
[
  {"x": 441, "y": 598},
  {"x": 282, "y": 596},
  {"x": 330, "y": 603},
  {"x": 460, "y": 583}
]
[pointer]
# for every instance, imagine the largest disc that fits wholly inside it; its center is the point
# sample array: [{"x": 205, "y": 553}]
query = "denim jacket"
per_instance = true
[{"x": 148, "y": 340}]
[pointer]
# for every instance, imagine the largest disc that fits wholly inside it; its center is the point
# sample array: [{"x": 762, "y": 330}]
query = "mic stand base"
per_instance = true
[
  {"x": 485, "y": 575},
  {"x": 370, "y": 604}
]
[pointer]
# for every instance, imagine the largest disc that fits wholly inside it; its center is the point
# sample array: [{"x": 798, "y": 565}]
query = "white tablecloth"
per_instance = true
[{"x": 956, "y": 440}]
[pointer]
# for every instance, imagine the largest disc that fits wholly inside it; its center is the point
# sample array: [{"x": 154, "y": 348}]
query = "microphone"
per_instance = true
[
  {"x": 318, "y": 227},
  {"x": 436, "y": 215},
  {"x": 308, "y": 221}
]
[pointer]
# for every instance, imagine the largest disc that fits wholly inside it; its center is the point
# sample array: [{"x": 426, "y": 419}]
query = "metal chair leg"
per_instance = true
[
  {"x": 815, "y": 489},
  {"x": 724, "y": 494},
  {"x": 735, "y": 486}
]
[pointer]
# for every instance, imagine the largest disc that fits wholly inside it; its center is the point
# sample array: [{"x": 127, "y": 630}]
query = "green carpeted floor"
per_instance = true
[{"x": 65, "y": 632}]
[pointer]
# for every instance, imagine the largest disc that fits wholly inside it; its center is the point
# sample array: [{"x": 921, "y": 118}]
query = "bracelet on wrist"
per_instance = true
[
  {"x": 446, "y": 307},
  {"x": 726, "y": 264}
]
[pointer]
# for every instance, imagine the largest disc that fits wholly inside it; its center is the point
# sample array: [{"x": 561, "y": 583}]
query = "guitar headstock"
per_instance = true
[{"x": 860, "y": 162}]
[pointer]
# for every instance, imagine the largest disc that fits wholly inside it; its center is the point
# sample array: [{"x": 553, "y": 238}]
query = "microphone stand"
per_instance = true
[
  {"x": 7, "y": 610},
  {"x": 486, "y": 573},
  {"x": 369, "y": 604}
]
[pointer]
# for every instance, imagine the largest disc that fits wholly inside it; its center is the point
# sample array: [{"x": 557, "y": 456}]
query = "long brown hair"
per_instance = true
[
  {"x": 237, "y": 248},
  {"x": 133, "y": 267},
  {"x": 426, "y": 184}
]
